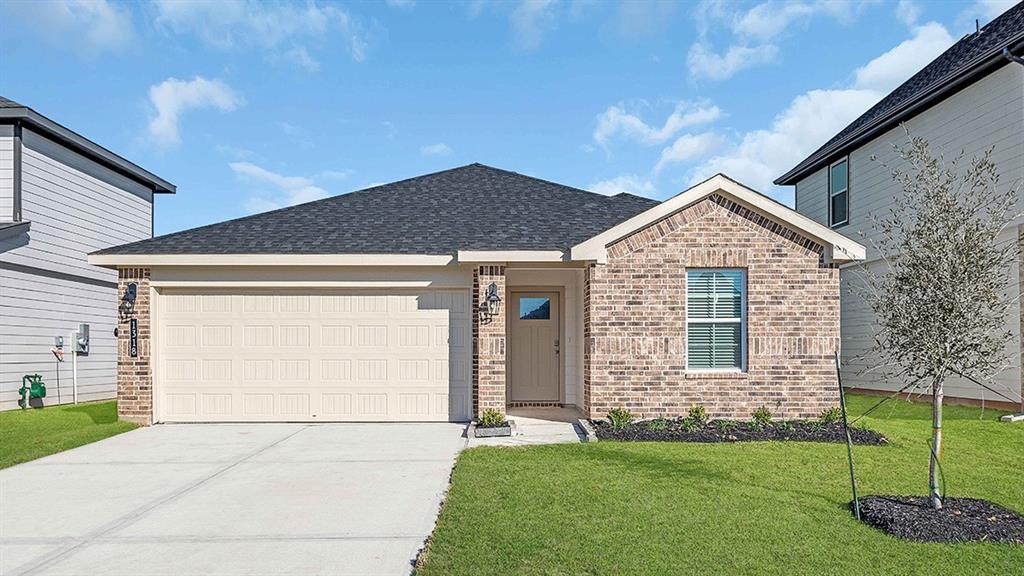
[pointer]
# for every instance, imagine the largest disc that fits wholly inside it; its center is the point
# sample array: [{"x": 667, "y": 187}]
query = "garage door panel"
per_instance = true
[{"x": 348, "y": 356}]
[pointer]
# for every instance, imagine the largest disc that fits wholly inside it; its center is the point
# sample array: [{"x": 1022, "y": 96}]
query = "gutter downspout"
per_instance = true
[
  {"x": 1012, "y": 57},
  {"x": 16, "y": 192}
]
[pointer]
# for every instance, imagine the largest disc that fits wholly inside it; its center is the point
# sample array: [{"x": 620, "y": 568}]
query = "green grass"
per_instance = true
[
  {"x": 31, "y": 434},
  {"x": 751, "y": 508}
]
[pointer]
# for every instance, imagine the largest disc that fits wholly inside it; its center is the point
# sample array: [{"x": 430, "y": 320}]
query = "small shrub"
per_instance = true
[
  {"x": 762, "y": 416},
  {"x": 698, "y": 414},
  {"x": 620, "y": 418},
  {"x": 831, "y": 415},
  {"x": 491, "y": 417},
  {"x": 688, "y": 425},
  {"x": 726, "y": 425},
  {"x": 657, "y": 424},
  {"x": 785, "y": 426}
]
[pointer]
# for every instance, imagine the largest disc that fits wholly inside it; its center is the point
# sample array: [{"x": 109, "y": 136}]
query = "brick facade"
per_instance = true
[
  {"x": 635, "y": 318},
  {"x": 134, "y": 375},
  {"x": 488, "y": 341}
]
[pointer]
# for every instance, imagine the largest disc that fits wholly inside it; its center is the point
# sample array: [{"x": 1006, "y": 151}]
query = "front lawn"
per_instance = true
[
  {"x": 34, "y": 433},
  {"x": 745, "y": 508}
]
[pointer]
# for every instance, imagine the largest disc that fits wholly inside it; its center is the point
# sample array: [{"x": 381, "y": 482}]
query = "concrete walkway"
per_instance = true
[
  {"x": 537, "y": 426},
  {"x": 230, "y": 499}
]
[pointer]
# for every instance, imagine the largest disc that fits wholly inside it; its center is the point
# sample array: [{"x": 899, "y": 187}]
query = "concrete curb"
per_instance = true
[{"x": 589, "y": 434}]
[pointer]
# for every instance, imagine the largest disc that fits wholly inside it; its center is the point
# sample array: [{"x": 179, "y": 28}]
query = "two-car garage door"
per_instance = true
[{"x": 284, "y": 355}]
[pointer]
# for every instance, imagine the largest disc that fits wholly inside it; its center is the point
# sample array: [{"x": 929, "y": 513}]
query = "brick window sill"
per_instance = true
[{"x": 715, "y": 375}]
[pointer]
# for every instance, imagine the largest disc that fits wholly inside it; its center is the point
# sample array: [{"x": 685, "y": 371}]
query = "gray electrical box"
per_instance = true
[
  {"x": 82, "y": 340},
  {"x": 58, "y": 341}
]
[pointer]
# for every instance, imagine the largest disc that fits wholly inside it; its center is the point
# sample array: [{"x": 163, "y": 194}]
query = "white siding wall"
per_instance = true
[
  {"x": 75, "y": 207},
  {"x": 6, "y": 178},
  {"x": 988, "y": 113}
]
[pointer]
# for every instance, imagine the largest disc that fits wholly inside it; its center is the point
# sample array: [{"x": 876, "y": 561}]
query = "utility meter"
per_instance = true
[{"x": 82, "y": 340}]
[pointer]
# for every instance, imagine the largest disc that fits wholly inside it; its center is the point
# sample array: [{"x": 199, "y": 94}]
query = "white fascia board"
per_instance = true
[
  {"x": 484, "y": 256},
  {"x": 840, "y": 248},
  {"x": 147, "y": 260}
]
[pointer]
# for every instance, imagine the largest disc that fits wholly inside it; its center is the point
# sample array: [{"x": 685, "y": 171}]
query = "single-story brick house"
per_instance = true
[{"x": 437, "y": 297}]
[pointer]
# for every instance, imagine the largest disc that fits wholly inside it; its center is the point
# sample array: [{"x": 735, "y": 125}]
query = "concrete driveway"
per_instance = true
[{"x": 230, "y": 499}]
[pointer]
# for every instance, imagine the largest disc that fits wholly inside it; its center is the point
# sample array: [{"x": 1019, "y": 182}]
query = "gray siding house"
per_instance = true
[
  {"x": 970, "y": 99},
  {"x": 61, "y": 197}
]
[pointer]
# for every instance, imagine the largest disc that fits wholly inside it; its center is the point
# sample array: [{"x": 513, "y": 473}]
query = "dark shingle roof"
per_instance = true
[
  {"x": 8, "y": 103},
  {"x": 973, "y": 55},
  {"x": 472, "y": 207}
]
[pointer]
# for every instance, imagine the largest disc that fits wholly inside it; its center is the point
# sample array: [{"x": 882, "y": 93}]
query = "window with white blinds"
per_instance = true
[{"x": 715, "y": 319}]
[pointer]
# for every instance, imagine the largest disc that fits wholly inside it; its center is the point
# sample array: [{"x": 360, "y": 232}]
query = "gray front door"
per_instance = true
[{"x": 534, "y": 355}]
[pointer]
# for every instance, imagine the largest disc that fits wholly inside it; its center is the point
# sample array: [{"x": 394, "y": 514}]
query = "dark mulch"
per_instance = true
[
  {"x": 685, "y": 430},
  {"x": 959, "y": 519}
]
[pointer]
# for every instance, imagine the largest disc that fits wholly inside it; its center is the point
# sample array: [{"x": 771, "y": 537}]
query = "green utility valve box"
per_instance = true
[{"x": 31, "y": 387}]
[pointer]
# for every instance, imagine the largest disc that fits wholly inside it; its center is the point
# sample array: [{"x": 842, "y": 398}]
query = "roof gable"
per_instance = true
[
  {"x": 972, "y": 56},
  {"x": 838, "y": 248}
]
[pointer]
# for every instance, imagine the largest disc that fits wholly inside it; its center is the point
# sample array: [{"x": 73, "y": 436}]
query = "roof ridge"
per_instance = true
[{"x": 591, "y": 192}]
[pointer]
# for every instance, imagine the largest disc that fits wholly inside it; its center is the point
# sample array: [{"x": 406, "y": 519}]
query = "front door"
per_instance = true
[{"x": 534, "y": 347}]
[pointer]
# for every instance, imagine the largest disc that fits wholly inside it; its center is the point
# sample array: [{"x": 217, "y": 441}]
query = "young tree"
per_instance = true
[{"x": 942, "y": 304}]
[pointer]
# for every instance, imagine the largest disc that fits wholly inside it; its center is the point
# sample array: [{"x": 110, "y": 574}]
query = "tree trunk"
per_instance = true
[{"x": 934, "y": 496}]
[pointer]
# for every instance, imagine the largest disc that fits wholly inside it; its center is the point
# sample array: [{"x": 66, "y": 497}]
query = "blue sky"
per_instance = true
[{"x": 248, "y": 106}]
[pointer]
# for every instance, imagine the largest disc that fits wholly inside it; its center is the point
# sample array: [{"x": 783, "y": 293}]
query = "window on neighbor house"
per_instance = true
[
  {"x": 839, "y": 193},
  {"x": 715, "y": 319}
]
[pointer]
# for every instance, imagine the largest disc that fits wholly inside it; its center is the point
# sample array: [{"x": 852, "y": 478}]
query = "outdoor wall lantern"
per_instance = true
[
  {"x": 492, "y": 299},
  {"x": 127, "y": 307}
]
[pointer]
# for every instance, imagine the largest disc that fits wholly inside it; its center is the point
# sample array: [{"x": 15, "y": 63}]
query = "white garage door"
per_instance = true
[{"x": 255, "y": 355}]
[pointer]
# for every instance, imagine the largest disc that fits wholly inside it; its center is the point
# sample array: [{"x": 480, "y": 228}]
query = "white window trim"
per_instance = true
[
  {"x": 832, "y": 194},
  {"x": 742, "y": 321}
]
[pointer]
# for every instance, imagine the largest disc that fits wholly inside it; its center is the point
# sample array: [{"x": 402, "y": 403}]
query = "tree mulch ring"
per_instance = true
[
  {"x": 959, "y": 519},
  {"x": 687, "y": 430}
]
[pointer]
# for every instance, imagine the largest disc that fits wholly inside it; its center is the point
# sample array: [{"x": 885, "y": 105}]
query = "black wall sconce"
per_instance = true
[
  {"x": 127, "y": 307},
  {"x": 489, "y": 308}
]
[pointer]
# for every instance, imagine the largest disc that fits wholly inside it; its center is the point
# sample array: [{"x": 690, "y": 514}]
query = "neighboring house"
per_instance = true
[
  {"x": 437, "y": 297},
  {"x": 61, "y": 197},
  {"x": 971, "y": 99}
]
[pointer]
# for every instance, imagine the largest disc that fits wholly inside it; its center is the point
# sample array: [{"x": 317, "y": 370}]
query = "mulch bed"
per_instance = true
[
  {"x": 685, "y": 430},
  {"x": 959, "y": 519}
]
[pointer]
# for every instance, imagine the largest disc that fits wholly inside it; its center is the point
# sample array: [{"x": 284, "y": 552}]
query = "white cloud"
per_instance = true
[
  {"x": 403, "y": 4},
  {"x": 755, "y": 32},
  {"x": 892, "y": 68},
  {"x": 249, "y": 23},
  {"x": 300, "y": 56},
  {"x": 617, "y": 121},
  {"x": 703, "y": 62},
  {"x": 89, "y": 26},
  {"x": 439, "y": 149},
  {"x": 334, "y": 174},
  {"x": 631, "y": 184},
  {"x": 688, "y": 147},
  {"x": 908, "y": 11},
  {"x": 531, "y": 20},
  {"x": 287, "y": 190},
  {"x": 812, "y": 118},
  {"x": 989, "y": 9},
  {"x": 172, "y": 97},
  {"x": 769, "y": 20}
]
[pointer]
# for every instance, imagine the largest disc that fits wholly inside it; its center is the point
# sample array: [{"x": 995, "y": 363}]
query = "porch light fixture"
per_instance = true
[
  {"x": 127, "y": 307},
  {"x": 492, "y": 299}
]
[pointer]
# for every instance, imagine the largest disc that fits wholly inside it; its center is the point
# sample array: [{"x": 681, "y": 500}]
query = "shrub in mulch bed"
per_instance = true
[
  {"x": 686, "y": 430},
  {"x": 959, "y": 519}
]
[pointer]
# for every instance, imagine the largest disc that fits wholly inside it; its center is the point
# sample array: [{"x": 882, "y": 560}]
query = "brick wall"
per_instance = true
[
  {"x": 635, "y": 318},
  {"x": 134, "y": 376},
  {"x": 488, "y": 341}
]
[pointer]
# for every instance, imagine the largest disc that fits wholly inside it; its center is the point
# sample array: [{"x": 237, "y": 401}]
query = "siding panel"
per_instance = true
[
  {"x": 988, "y": 113},
  {"x": 75, "y": 207}
]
